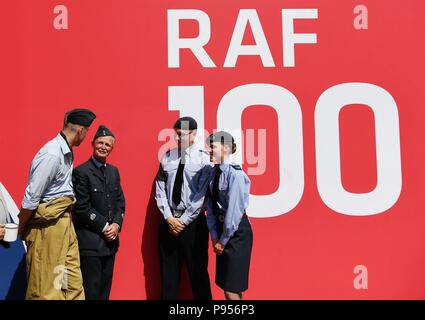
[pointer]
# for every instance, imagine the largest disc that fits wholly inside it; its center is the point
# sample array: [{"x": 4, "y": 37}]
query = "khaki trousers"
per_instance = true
[{"x": 53, "y": 259}]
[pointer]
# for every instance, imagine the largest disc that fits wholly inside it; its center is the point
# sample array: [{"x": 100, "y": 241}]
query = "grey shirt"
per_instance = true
[{"x": 50, "y": 175}]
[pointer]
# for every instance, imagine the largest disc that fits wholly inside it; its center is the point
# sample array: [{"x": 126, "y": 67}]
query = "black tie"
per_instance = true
[
  {"x": 103, "y": 169},
  {"x": 178, "y": 183},
  {"x": 214, "y": 196}
]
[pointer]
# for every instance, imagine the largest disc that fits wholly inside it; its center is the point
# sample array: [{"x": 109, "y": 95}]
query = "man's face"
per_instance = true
[
  {"x": 102, "y": 147},
  {"x": 81, "y": 134},
  {"x": 184, "y": 138}
]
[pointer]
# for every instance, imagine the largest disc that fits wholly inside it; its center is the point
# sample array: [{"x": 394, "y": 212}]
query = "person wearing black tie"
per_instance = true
[
  {"x": 181, "y": 184},
  {"x": 98, "y": 215},
  {"x": 231, "y": 233}
]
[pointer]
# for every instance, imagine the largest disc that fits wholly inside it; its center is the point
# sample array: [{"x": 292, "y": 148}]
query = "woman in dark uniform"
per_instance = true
[{"x": 228, "y": 223}]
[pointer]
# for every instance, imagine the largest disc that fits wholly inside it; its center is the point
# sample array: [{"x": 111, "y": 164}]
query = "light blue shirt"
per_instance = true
[
  {"x": 50, "y": 175},
  {"x": 232, "y": 200},
  {"x": 195, "y": 182}
]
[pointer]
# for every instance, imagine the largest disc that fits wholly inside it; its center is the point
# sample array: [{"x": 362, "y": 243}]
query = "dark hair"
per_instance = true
[
  {"x": 187, "y": 123},
  {"x": 233, "y": 147},
  {"x": 224, "y": 138}
]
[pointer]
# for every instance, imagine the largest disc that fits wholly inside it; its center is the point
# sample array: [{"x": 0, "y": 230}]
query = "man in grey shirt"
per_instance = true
[{"x": 52, "y": 261}]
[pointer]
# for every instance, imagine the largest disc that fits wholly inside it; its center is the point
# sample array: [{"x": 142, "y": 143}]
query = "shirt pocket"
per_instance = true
[
  {"x": 171, "y": 167},
  {"x": 114, "y": 188},
  {"x": 97, "y": 190}
]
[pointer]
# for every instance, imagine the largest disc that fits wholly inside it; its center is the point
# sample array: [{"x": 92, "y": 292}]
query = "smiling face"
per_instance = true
[
  {"x": 102, "y": 147},
  {"x": 219, "y": 152}
]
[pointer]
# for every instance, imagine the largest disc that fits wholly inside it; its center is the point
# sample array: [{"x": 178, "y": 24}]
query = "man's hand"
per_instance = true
[
  {"x": 218, "y": 247},
  {"x": 2, "y": 231},
  {"x": 111, "y": 232},
  {"x": 175, "y": 225},
  {"x": 24, "y": 216}
]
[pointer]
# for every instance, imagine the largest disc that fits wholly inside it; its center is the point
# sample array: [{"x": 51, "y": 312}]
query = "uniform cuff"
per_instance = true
[
  {"x": 167, "y": 213},
  {"x": 224, "y": 240},
  {"x": 30, "y": 205},
  {"x": 105, "y": 227},
  {"x": 214, "y": 235}
]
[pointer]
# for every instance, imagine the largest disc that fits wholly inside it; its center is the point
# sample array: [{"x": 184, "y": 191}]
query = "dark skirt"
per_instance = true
[{"x": 232, "y": 267}]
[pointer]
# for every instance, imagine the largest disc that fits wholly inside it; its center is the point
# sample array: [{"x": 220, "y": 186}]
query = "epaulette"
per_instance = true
[{"x": 205, "y": 152}]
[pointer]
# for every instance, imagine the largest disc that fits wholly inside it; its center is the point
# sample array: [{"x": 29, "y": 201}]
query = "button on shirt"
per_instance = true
[
  {"x": 232, "y": 200},
  {"x": 50, "y": 175},
  {"x": 195, "y": 182}
]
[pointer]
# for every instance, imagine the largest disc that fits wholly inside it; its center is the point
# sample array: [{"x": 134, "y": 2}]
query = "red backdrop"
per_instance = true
[{"x": 113, "y": 59}]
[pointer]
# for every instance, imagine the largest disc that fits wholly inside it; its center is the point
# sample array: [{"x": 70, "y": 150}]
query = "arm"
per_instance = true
[
  {"x": 235, "y": 208},
  {"x": 24, "y": 216},
  {"x": 43, "y": 171},
  {"x": 119, "y": 214},
  {"x": 2, "y": 230},
  {"x": 83, "y": 209},
  {"x": 211, "y": 219},
  {"x": 162, "y": 202},
  {"x": 161, "y": 193}
]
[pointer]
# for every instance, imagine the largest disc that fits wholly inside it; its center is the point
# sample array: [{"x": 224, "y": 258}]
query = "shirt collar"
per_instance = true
[
  {"x": 97, "y": 163},
  {"x": 189, "y": 149},
  {"x": 63, "y": 143},
  {"x": 225, "y": 164}
]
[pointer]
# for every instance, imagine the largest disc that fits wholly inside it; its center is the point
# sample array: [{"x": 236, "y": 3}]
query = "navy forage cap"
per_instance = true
[
  {"x": 83, "y": 117},
  {"x": 221, "y": 136},
  {"x": 186, "y": 123},
  {"x": 103, "y": 131}
]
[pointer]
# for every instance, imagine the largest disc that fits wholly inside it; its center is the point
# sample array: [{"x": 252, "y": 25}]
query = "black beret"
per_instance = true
[
  {"x": 186, "y": 123},
  {"x": 103, "y": 131},
  {"x": 221, "y": 136},
  {"x": 83, "y": 117}
]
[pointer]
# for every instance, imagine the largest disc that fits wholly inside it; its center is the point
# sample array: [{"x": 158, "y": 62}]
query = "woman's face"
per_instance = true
[{"x": 218, "y": 152}]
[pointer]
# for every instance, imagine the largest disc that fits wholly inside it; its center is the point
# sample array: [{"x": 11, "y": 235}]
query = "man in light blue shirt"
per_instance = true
[
  {"x": 181, "y": 185},
  {"x": 45, "y": 217},
  {"x": 50, "y": 175}
]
